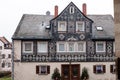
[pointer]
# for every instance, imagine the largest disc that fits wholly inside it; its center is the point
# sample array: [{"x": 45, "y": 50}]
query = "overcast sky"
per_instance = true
[{"x": 11, "y": 11}]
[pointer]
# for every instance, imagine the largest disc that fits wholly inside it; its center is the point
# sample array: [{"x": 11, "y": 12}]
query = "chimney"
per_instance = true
[
  {"x": 56, "y": 11},
  {"x": 84, "y": 8}
]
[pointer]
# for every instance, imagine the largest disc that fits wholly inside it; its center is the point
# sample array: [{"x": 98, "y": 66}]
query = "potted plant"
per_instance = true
[
  {"x": 85, "y": 75},
  {"x": 56, "y": 75}
]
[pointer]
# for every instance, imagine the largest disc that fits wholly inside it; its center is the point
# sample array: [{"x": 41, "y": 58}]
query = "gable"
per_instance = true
[{"x": 72, "y": 12}]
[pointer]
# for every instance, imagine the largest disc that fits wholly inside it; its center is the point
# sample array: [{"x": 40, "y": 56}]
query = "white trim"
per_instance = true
[
  {"x": 31, "y": 47},
  {"x": 59, "y": 27},
  {"x": 83, "y": 27},
  {"x": 103, "y": 46},
  {"x": 39, "y": 42}
]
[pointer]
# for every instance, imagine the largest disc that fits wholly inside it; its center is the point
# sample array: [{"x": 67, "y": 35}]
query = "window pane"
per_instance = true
[
  {"x": 42, "y": 47},
  {"x": 61, "y": 26},
  {"x": 99, "y": 69},
  {"x": 43, "y": 69},
  {"x": 61, "y": 47},
  {"x": 28, "y": 47},
  {"x": 100, "y": 46},
  {"x": 71, "y": 46},
  {"x": 80, "y": 46},
  {"x": 79, "y": 26}
]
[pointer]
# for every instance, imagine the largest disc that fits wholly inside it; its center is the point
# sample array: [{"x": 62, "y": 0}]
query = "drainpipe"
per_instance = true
[{"x": 12, "y": 59}]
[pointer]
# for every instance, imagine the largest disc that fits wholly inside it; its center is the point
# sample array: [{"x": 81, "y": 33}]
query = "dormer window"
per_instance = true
[
  {"x": 71, "y": 10},
  {"x": 79, "y": 26},
  {"x": 99, "y": 28}
]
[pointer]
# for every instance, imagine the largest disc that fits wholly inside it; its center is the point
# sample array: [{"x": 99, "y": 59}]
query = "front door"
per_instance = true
[{"x": 71, "y": 72}]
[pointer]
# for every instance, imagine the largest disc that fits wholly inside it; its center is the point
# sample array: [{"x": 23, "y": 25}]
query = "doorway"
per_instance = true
[{"x": 70, "y": 72}]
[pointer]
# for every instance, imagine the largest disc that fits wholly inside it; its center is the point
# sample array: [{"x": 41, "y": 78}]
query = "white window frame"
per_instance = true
[
  {"x": 84, "y": 46},
  {"x": 58, "y": 43},
  {"x": 104, "y": 46},
  {"x": 31, "y": 47},
  {"x": 113, "y": 46},
  {"x": 59, "y": 27},
  {"x": 83, "y": 27},
  {"x": 38, "y": 43},
  {"x": 72, "y": 10}
]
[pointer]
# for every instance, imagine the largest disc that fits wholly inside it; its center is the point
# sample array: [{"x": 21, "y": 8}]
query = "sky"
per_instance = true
[{"x": 11, "y": 11}]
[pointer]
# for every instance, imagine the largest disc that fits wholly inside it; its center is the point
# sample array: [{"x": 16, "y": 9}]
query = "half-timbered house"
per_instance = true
[{"x": 69, "y": 41}]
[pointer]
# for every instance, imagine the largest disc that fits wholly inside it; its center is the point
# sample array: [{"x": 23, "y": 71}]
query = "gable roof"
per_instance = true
[
  {"x": 105, "y": 21},
  {"x": 71, "y": 3},
  {"x": 33, "y": 27}
]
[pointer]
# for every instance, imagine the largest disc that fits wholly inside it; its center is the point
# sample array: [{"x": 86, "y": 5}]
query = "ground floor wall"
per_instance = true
[{"x": 27, "y": 70}]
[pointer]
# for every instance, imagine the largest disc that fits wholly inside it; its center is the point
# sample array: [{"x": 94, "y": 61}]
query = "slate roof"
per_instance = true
[
  {"x": 105, "y": 21},
  {"x": 33, "y": 27}
]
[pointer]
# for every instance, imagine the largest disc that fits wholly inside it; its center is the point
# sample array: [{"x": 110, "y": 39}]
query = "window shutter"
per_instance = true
[
  {"x": 94, "y": 68},
  {"x": 104, "y": 69},
  {"x": 48, "y": 69},
  {"x": 111, "y": 68},
  {"x": 37, "y": 69}
]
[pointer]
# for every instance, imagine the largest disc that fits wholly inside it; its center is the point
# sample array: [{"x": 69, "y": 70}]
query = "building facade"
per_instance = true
[
  {"x": 117, "y": 35},
  {"x": 5, "y": 54},
  {"x": 69, "y": 41}
]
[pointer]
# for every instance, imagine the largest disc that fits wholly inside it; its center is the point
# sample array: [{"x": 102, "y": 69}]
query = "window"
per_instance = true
[
  {"x": 61, "y": 26},
  {"x": 28, "y": 47},
  {"x": 42, "y": 69},
  {"x": 99, "y": 28},
  {"x": 79, "y": 26},
  {"x": 98, "y": 69},
  {"x": 42, "y": 47},
  {"x": 9, "y": 55},
  {"x": 112, "y": 69},
  {"x": 100, "y": 46},
  {"x": 3, "y": 56},
  {"x": 0, "y": 47},
  {"x": 71, "y": 10},
  {"x": 81, "y": 46},
  {"x": 61, "y": 47},
  {"x": 70, "y": 46},
  {"x": 9, "y": 64},
  {"x": 3, "y": 65}
]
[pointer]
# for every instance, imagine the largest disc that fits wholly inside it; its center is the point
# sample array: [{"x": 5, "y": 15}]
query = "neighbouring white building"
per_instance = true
[
  {"x": 69, "y": 41},
  {"x": 5, "y": 54}
]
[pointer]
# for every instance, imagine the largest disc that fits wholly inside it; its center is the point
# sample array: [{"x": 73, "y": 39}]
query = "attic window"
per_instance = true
[
  {"x": 99, "y": 28},
  {"x": 71, "y": 10}
]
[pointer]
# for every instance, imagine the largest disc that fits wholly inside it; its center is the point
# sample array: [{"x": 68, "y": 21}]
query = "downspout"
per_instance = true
[{"x": 12, "y": 59}]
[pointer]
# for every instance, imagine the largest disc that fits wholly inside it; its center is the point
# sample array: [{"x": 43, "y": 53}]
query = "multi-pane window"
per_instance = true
[
  {"x": 42, "y": 69},
  {"x": 100, "y": 46},
  {"x": 61, "y": 26},
  {"x": 28, "y": 47},
  {"x": 42, "y": 47},
  {"x": 79, "y": 26},
  {"x": 98, "y": 69},
  {"x": 9, "y": 64},
  {"x": 70, "y": 46},
  {"x": 112, "y": 68},
  {"x": 81, "y": 47}
]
